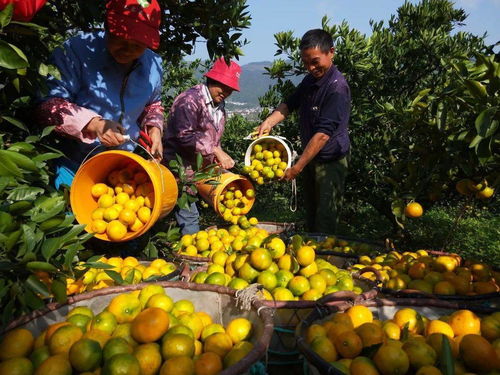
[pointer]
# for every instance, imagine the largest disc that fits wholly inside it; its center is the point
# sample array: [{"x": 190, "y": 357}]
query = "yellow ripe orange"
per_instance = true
[
  {"x": 438, "y": 326},
  {"x": 413, "y": 210},
  {"x": 176, "y": 345},
  {"x": 99, "y": 189},
  {"x": 97, "y": 214},
  {"x": 348, "y": 344},
  {"x": 16, "y": 343},
  {"x": 193, "y": 322},
  {"x": 391, "y": 330},
  {"x": 63, "y": 338},
  {"x": 323, "y": 347},
  {"x": 305, "y": 255},
  {"x": 127, "y": 216},
  {"x": 149, "y": 358},
  {"x": 342, "y": 318},
  {"x": 464, "y": 322},
  {"x": 410, "y": 317},
  {"x": 106, "y": 201},
  {"x": 260, "y": 259},
  {"x": 333, "y": 330},
  {"x": 419, "y": 353},
  {"x": 144, "y": 214},
  {"x": 359, "y": 315},
  {"x": 211, "y": 329},
  {"x": 161, "y": 301},
  {"x": 116, "y": 230},
  {"x": 239, "y": 329},
  {"x": 313, "y": 331},
  {"x": 99, "y": 226},
  {"x": 362, "y": 366},
  {"x": 97, "y": 335},
  {"x": 429, "y": 370},
  {"x": 125, "y": 307},
  {"x": 206, "y": 319},
  {"x": 51, "y": 329},
  {"x": 149, "y": 325}
]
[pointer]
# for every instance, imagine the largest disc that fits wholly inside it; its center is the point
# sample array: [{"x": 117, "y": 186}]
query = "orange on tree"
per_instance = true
[{"x": 413, "y": 210}]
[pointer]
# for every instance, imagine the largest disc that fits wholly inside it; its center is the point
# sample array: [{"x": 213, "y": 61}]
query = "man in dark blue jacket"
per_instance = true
[{"x": 323, "y": 100}]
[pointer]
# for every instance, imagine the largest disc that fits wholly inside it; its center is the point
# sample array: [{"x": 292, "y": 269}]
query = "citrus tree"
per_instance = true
[
  {"x": 424, "y": 104},
  {"x": 39, "y": 242}
]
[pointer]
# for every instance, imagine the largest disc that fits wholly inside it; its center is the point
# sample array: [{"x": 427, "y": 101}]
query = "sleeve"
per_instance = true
[
  {"x": 58, "y": 106},
  {"x": 293, "y": 101},
  {"x": 334, "y": 109},
  {"x": 190, "y": 137},
  {"x": 153, "y": 114}
]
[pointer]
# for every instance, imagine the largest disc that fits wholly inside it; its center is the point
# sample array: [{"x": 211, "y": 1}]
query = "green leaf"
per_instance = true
[
  {"x": 446, "y": 361},
  {"x": 115, "y": 276},
  {"x": 98, "y": 265},
  {"x": 58, "y": 288},
  {"x": 69, "y": 257},
  {"x": 12, "y": 57},
  {"x": 50, "y": 247},
  {"x": 25, "y": 193},
  {"x": 8, "y": 167},
  {"x": 182, "y": 201},
  {"x": 476, "y": 88},
  {"x": 6, "y": 15},
  {"x": 37, "y": 286},
  {"x": 485, "y": 123},
  {"x": 16, "y": 122},
  {"x": 41, "y": 266},
  {"x": 46, "y": 131},
  {"x": 475, "y": 141},
  {"x": 43, "y": 70},
  {"x": 405, "y": 332},
  {"x": 199, "y": 160},
  {"x": 46, "y": 156},
  {"x": 29, "y": 238},
  {"x": 32, "y": 300},
  {"x": 40, "y": 215}
]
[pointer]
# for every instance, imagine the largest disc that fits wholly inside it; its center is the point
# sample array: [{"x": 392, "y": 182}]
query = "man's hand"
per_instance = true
[
  {"x": 264, "y": 128},
  {"x": 290, "y": 173},
  {"x": 279, "y": 114},
  {"x": 109, "y": 133},
  {"x": 156, "y": 142},
  {"x": 223, "y": 159}
]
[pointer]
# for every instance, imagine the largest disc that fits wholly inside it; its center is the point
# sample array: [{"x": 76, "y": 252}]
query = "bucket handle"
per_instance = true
[
  {"x": 127, "y": 138},
  {"x": 293, "y": 198}
]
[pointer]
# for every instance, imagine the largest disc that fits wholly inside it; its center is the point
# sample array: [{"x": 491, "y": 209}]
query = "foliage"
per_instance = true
[
  {"x": 420, "y": 94},
  {"x": 36, "y": 233}
]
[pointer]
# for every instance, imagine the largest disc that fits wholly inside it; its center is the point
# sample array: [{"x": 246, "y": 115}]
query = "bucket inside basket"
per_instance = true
[{"x": 98, "y": 168}]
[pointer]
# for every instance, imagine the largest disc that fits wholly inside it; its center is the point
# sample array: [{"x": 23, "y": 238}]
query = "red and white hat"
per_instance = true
[
  {"x": 228, "y": 75},
  {"x": 128, "y": 19}
]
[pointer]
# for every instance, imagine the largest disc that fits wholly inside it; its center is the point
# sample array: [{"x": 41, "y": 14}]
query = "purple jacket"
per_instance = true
[{"x": 191, "y": 128}]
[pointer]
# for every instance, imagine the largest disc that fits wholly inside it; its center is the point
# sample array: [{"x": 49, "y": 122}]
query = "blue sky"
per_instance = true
[{"x": 272, "y": 16}]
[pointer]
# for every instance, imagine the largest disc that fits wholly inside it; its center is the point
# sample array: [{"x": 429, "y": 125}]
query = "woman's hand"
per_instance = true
[
  {"x": 156, "y": 142},
  {"x": 223, "y": 159},
  {"x": 109, "y": 133}
]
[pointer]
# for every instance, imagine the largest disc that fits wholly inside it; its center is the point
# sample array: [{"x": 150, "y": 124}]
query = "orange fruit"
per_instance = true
[
  {"x": 478, "y": 354},
  {"x": 490, "y": 328},
  {"x": 182, "y": 365},
  {"x": 428, "y": 370},
  {"x": 305, "y": 255},
  {"x": 55, "y": 365},
  {"x": 445, "y": 288},
  {"x": 237, "y": 353},
  {"x": 16, "y": 366},
  {"x": 208, "y": 364},
  {"x": 63, "y": 338},
  {"x": 147, "y": 292},
  {"x": 125, "y": 307},
  {"x": 419, "y": 353},
  {"x": 178, "y": 328},
  {"x": 323, "y": 347},
  {"x": 359, "y": 315},
  {"x": 97, "y": 335},
  {"x": 106, "y": 201},
  {"x": 413, "y": 210},
  {"x": 144, "y": 214},
  {"x": 464, "y": 322},
  {"x": 313, "y": 331},
  {"x": 85, "y": 355},
  {"x": 391, "y": 330},
  {"x": 39, "y": 355},
  {"x": 260, "y": 259},
  {"x": 183, "y": 305},
  {"x": 408, "y": 317},
  {"x": 348, "y": 344},
  {"x": 370, "y": 334},
  {"x": 219, "y": 343},
  {"x": 362, "y": 366},
  {"x": 435, "y": 340},
  {"x": 342, "y": 318},
  {"x": 211, "y": 329},
  {"x": 99, "y": 189},
  {"x": 124, "y": 331},
  {"x": 16, "y": 343},
  {"x": 176, "y": 345},
  {"x": 123, "y": 363},
  {"x": 438, "y": 326},
  {"x": 116, "y": 230},
  {"x": 149, "y": 358},
  {"x": 150, "y": 325},
  {"x": 193, "y": 322},
  {"x": 114, "y": 346},
  {"x": 299, "y": 285},
  {"x": 239, "y": 329},
  {"x": 318, "y": 282},
  {"x": 127, "y": 216},
  {"x": 391, "y": 360},
  {"x": 104, "y": 321}
]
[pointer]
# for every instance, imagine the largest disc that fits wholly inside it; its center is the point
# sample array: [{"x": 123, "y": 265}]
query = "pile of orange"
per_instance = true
[
  {"x": 444, "y": 275},
  {"x": 284, "y": 274},
  {"x": 342, "y": 246},
  {"x": 207, "y": 242},
  {"x": 234, "y": 203},
  {"x": 124, "y": 203},
  {"x": 143, "y": 332},
  {"x": 268, "y": 162},
  {"x": 357, "y": 343}
]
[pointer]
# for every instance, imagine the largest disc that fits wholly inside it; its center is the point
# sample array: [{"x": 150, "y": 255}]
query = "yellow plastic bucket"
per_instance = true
[
  {"x": 211, "y": 193},
  {"x": 97, "y": 169}
]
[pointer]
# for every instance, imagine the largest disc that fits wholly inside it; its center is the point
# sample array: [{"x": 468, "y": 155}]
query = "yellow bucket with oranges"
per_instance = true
[{"x": 119, "y": 195}]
